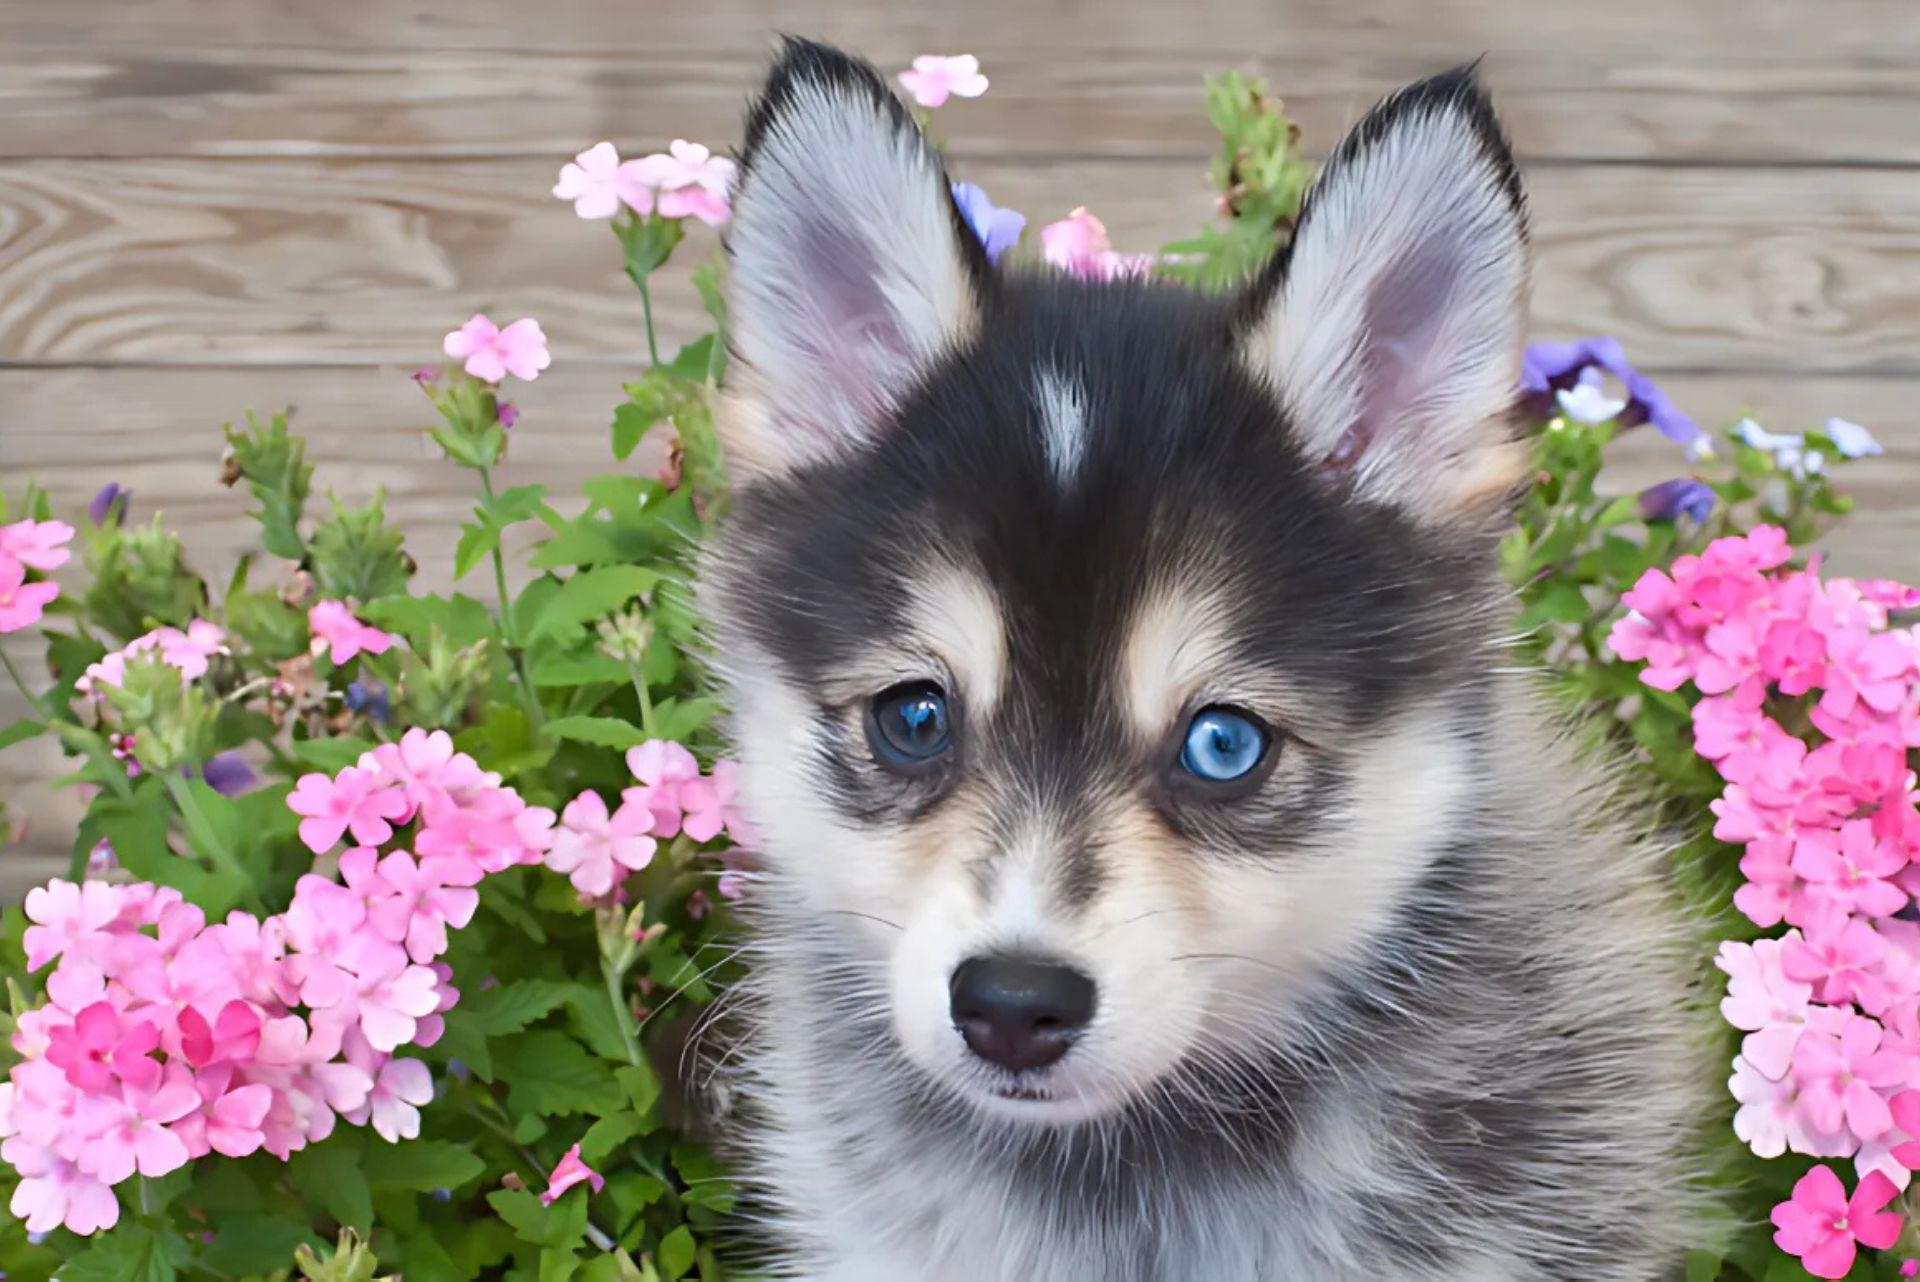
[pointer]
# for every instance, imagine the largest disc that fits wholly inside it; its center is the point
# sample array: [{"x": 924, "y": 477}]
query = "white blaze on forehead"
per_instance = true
[
  {"x": 1175, "y": 642},
  {"x": 956, "y": 616},
  {"x": 1063, "y": 424}
]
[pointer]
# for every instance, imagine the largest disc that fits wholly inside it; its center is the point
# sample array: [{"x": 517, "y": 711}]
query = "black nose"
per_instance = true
[{"x": 1017, "y": 1013}]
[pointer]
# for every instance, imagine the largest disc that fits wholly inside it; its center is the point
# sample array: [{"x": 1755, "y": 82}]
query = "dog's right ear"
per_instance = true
[{"x": 852, "y": 269}]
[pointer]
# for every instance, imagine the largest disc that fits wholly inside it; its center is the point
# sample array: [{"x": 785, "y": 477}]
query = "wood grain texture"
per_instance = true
[
  {"x": 211, "y": 205},
  {"x": 354, "y": 261}
]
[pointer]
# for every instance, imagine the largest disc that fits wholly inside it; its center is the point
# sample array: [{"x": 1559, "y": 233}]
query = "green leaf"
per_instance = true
[
  {"x": 515, "y": 504},
  {"x": 680, "y": 719},
  {"x": 130, "y": 1253},
  {"x": 549, "y": 1073},
  {"x": 465, "y": 1041},
  {"x": 589, "y": 668},
  {"x": 641, "y": 1086},
  {"x": 19, "y": 732},
  {"x": 421, "y": 1165},
  {"x": 423, "y": 1259},
  {"x": 509, "y": 1008},
  {"x": 676, "y": 1253},
  {"x": 631, "y": 422},
  {"x": 477, "y": 539},
  {"x": 561, "y": 1224},
  {"x": 330, "y": 755},
  {"x": 461, "y": 619},
  {"x": 606, "y": 1136},
  {"x": 608, "y": 732},
  {"x": 246, "y": 1243},
  {"x": 330, "y": 1175},
  {"x": 273, "y": 461},
  {"x": 1702, "y": 1266},
  {"x": 589, "y": 596}
]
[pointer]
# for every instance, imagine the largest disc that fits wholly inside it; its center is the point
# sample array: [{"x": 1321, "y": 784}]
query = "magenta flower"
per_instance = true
[
  {"x": 22, "y": 603},
  {"x": 341, "y": 635},
  {"x": 357, "y": 800},
  {"x": 689, "y": 181},
  {"x": 38, "y": 545},
  {"x": 491, "y": 353},
  {"x": 570, "y": 1171},
  {"x": 1824, "y": 1228},
  {"x": 590, "y": 844},
  {"x": 422, "y": 899},
  {"x": 934, "y": 78},
  {"x": 233, "y": 1035},
  {"x": 1852, "y": 868},
  {"x": 598, "y": 183},
  {"x": 98, "y": 1051}
]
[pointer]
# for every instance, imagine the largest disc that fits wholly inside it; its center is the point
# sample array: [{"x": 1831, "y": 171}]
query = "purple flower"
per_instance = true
[
  {"x": 997, "y": 228},
  {"x": 508, "y": 413},
  {"x": 110, "y": 504},
  {"x": 427, "y": 375},
  {"x": 1551, "y": 367},
  {"x": 1671, "y": 500},
  {"x": 369, "y": 698},
  {"x": 228, "y": 774}
]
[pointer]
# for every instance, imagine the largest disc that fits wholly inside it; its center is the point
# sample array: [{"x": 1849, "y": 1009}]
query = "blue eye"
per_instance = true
[
  {"x": 907, "y": 724},
  {"x": 1223, "y": 744}
]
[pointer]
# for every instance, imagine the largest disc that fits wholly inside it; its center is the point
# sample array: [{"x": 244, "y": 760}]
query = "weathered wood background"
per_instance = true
[{"x": 212, "y": 205}]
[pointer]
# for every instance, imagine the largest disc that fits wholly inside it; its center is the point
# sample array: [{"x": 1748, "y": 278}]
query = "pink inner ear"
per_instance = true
[
  {"x": 1404, "y": 318},
  {"x": 856, "y": 340}
]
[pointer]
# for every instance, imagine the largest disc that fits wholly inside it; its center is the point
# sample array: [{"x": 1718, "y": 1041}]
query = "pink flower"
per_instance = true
[
  {"x": 22, "y": 603},
  {"x": 335, "y": 629},
  {"x": 1821, "y": 1226},
  {"x": 234, "y": 1034},
  {"x": 53, "y": 1191},
  {"x": 688, "y": 181},
  {"x": 1763, "y": 1001},
  {"x": 598, "y": 182},
  {"x": 1079, "y": 244},
  {"x": 402, "y": 1087},
  {"x": 590, "y": 844},
  {"x": 1869, "y": 667},
  {"x": 711, "y": 804},
  {"x": 1840, "y": 1078},
  {"x": 356, "y": 799},
  {"x": 191, "y": 650},
  {"x": 664, "y": 768},
  {"x": 36, "y": 544},
  {"x": 234, "y": 1123},
  {"x": 66, "y": 915},
  {"x": 423, "y": 899},
  {"x": 1851, "y": 868},
  {"x": 97, "y": 1050},
  {"x": 122, "y": 1139},
  {"x": 934, "y": 78},
  {"x": 570, "y": 1171},
  {"x": 1842, "y": 958},
  {"x": 492, "y": 353}
]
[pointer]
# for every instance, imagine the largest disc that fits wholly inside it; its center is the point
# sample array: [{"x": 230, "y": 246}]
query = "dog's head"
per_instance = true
[{"x": 1107, "y": 659}]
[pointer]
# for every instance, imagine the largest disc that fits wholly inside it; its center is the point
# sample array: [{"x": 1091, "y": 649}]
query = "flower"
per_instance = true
[
  {"x": 570, "y": 1171},
  {"x": 663, "y": 768},
  {"x": 190, "y": 651},
  {"x": 228, "y": 774},
  {"x": 598, "y": 183},
  {"x": 997, "y": 228},
  {"x": 1673, "y": 499},
  {"x": 38, "y": 545},
  {"x": 1851, "y": 439},
  {"x": 710, "y": 804},
  {"x": 110, "y": 504},
  {"x": 1822, "y": 1226},
  {"x": 689, "y": 181},
  {"x": 934, "y": 78},
  {"x": 336, "y": 630},
  {"x": 1840, "y": 1078},
  {"x": 401, "y": 1087},
  {"x": 507, "y": 413},
  {"x": 1789, "y": 451},
  {"x": 356, "y": 799},
  {"x": 1587, "y": 400},
  {"x": 1762, "y": 1001},
  {"x": 22, "y": 603},
  {"x": 491, "y": 353},
  {"x": 1547, "y": 368},
  {"x": 369, "y": 698},
  {"x": 1079, "y": 244},
  {"x": 97, "y": 1049},
  {"x": 591, "y": 843}
]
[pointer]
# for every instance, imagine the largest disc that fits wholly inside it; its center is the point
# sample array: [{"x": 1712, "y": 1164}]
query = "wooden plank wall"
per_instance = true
[{"x": 211, "y": 205}]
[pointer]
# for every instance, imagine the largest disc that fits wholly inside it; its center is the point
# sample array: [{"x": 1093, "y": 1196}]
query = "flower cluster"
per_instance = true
[
  {"x": 595, "y": 848},
  {"x": 24, "y": 546},
  {"x": 189, "y": 650},
  {"x": 1826, "y": 814},
  {"x": 685, "y": 181},
  {"x": 164, "y": 1037}
]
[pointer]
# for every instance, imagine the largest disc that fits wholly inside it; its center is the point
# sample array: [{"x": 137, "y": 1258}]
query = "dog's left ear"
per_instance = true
[{"x": 1392, "y": 327}]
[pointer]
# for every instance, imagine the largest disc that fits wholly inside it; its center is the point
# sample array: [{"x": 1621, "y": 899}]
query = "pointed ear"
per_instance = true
[
  {"x": 1392, "y": 327},
  {"x": 852, "y": 269}
]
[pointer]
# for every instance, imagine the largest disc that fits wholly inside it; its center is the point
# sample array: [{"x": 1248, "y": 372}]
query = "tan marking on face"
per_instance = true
[
  {"x": 1176, "y": 644},
  {"x": 956, "y": 617}
]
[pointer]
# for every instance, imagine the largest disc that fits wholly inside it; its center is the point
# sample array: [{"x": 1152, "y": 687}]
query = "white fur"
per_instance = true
[{"x": 1063, "y": 424}]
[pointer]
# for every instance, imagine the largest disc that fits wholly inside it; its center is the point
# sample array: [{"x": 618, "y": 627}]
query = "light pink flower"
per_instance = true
[
  {"x": 591, "y": 844},
  {"x": 22, "y": 603},
  {"x": 570, "y": 1171},
  {"x": 598, "y": 182},
  {"x": 67, "y": 915},
  {"x": 336, "y": 630},
  {"x": 122, "y": 1139},
  {"x": 664, "y": 768},
  {"x": 402, "y": 1087},
  {"x": 934, "y": 78},
  {"x": 38, "y": 545},
  {"x": 712, "y": 804},
  {"x": 688, "y": 181},
  {"x": 1822, "y": 1226},
  {"x": 53, "y": 1192},
  {"x": 1079, "y": 243},
  {"x": 1852, "y": 868},
  {"x": 1761, "y": 1000},
  {"x": 1841, "y": 1078},
  {"x": 492, "y": 353},
  {"x": 355, "y": 799}
]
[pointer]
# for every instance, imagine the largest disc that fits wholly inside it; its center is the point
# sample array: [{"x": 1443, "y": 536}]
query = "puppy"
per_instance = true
[{"x": 1167, "y": 873}]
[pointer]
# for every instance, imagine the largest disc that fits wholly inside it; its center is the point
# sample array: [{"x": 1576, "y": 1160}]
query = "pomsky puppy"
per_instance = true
[{"x": 1168, "y": 874}]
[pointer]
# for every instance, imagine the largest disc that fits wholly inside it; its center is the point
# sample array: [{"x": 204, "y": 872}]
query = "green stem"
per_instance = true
[
  {"x": 528, "y": 695},
  {"x": 33, "y": 700},
  {"x": 646, "y": 700},
  {"x": 646, "y": 309},
  {"x": 622, "y": 1013},
  {"x": 110, "y": 770}
]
